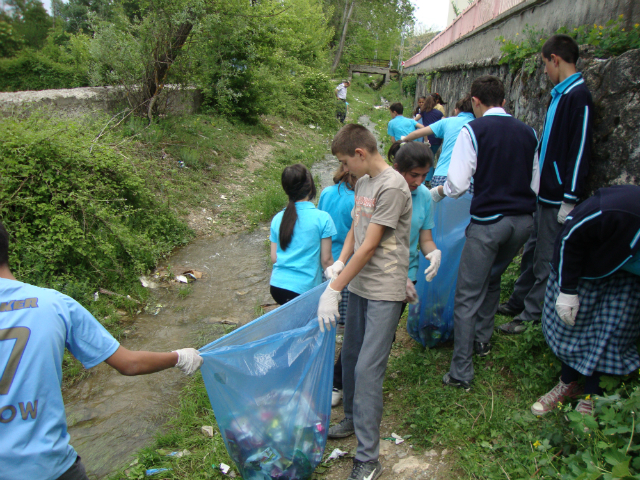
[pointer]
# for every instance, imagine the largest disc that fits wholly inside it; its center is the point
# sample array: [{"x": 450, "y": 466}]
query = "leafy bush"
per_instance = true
[
  {"x": 611, "y": 39},
  {"x": 77, "y": 214},
  {"x": 34, "y": 71}
]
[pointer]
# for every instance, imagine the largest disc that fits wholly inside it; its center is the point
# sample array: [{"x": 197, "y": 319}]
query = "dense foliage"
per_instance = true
[{"x": 77, "y": 213}]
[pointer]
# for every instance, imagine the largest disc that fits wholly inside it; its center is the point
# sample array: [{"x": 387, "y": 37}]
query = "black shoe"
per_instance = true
[
  {"x": 514, "y": 327},
  {"x": 482, "y": 349},
  {"x": 343, "y": 429},
  {"x": 365, "y": 470},
  {"x": 505, "y": 309},
  {"x": 452, "y": 382}
]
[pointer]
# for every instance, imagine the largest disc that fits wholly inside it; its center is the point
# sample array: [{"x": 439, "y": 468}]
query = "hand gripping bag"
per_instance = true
[
  {"x": 430, "y": 321},
  {"x": 269, "y": 384}
]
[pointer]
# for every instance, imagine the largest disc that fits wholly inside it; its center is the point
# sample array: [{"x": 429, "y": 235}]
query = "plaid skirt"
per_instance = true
[
  {"x": 607, "y": 326},
  {"x": 438, "y": 180}
]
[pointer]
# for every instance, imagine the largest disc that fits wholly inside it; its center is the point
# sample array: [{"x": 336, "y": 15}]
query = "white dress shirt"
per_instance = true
[{"x": 464, "y": 160}]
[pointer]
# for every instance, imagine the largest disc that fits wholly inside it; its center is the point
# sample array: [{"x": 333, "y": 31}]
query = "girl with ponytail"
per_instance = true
[{"x": 300, "y": 238}]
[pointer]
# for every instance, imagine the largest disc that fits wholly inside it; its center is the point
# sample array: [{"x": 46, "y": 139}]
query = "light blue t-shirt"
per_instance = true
[
  {"x": 338, "y": 201},
  {"x": 35, "y": 326},
  {"x": 400, "y": 126},
  {"x": 633, "y": 265},
  {"x": 421, "y": 219},
  {"x": 448, "y": 129},
  {"x": 298, "y": 268}
]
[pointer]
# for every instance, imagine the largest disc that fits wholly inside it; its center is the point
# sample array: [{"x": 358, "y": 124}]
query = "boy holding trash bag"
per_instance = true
[{"x": 378, "y": 248}]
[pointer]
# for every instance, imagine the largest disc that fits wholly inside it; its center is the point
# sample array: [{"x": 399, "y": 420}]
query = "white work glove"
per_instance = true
[
  {"x": 403, "y": 138},
  {"x": 435, "y": 258},
  {"x": 412, "y": 295},
  {"x": 435, "y": 195},
  {"x": 332, "y": 272},
  {"x": 189, "y": 360},
  {"x": 567, "y": 307},
  {"x": 565, "y": 209},
  {"x": 328, "y": 308}
]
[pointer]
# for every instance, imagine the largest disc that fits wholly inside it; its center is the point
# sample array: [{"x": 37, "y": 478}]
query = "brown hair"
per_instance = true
[
  {"x": 429, "y": 104},
  {"x": 353, "y": 136},
  {"x": 464, "y": 104},
  {"x": 348, "y": 178}
]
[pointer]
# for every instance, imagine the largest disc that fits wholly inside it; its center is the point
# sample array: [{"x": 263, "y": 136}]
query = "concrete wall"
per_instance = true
[
  {"x": 81, "y": 101},
  {"x": 614, "y": 84},
  {"x": 549, "y": 15}
]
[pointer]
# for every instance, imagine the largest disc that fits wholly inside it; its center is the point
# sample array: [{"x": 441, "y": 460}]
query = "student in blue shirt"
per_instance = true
[
  {"x": 399, "y": 125},
  {"x": 36, "y": 324},
  {"x": 413, "y": 161},
  {"x": 448, "y": 129},
  {"x": 338, "y": 201},
  {"x": 300, "y": 238}
]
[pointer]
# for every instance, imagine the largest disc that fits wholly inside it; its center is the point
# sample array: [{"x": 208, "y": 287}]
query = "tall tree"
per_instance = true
[
  {"x": 30, "y": 21},
  {"x": 348, "y": 11}
]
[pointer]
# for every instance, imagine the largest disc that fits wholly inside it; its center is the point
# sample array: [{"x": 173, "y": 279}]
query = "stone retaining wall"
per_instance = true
[{"x": 614, "y": 84}]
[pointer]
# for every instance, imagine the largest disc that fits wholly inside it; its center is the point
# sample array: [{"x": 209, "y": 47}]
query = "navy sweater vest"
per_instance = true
[{"x": 505, "y": 149}]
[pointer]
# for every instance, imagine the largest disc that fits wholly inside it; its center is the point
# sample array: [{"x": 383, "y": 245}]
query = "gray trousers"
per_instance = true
[
  {"x": 528, "y": 292},
  {"x": 368, "y": 335},
  {"x": 486, "y": 255}
]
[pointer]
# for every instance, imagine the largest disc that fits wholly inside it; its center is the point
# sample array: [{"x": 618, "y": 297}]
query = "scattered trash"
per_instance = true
[
  {"x": 95, "y": 297},
  {"x": 195, "y": 274},
  {"x": 312, "y": 126},
  {"x": 180, "y": 454},
  {"x": 241, "y": 292},
  {"x": 207, "y": 430},
  {"x": 148, "y": 283},
  {"x": 397, "y": 438},
  {"x": 224, "y": 468},
  {"x": 209, "y": 218},
  {"x": 153, "y": 471},
  {"x": 223, "y": 197},
  {"x": 182, "y": 279},
  {"x": 379, "y": 107},
  {"x": 109, "y": 292},
  {"x": 337, "y": 453}
]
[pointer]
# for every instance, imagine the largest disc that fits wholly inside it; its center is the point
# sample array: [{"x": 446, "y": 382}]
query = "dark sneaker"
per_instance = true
[
  {"x": 452, "y": 382},
  {"x": 482, "y": 349},
  {"x": 505, "y": 309},
  {"x": 343, "y": 429},
  {"x": 365, "y": 470},
  {"x": 550, "y": 400},
  {"x": 513, "y": 327}
]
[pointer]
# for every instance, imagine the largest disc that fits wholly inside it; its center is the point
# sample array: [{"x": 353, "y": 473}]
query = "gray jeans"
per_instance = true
[
  {"x": 368, "y": 335},
  {"x": 528, "y": 292},
  {"x": 486, "y": 255},
  {"x": 75, "y": 472}
]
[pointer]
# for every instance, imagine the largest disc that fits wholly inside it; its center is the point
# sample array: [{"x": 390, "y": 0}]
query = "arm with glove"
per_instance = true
[
  {"x": 431, "y": 253},
  {"x": 131, "y": 363}
]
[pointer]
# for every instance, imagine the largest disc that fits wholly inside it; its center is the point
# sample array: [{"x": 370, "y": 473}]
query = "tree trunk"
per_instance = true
[
  {"x": 346, "y": 17},
  {"x": 162, "y": 64}
]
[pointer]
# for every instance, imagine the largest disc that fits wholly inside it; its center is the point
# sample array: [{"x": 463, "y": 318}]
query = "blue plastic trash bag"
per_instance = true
[
  {"x": 269, "y": 383},
  {"x": 430, "y": 321}
]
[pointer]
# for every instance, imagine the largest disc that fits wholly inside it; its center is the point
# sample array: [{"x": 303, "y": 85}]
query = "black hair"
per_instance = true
[
  {"x": 562, "y": 46},
  {"x": 438, "y": 99},
  {"x": 353, "y": 136},
  {"x": 297, "y": 183},
  {"x": 489, "y": 90},
  {"x": 410, "y": 155},
  {"x": 397, "y": 107},
  {"x": 464, "y": 104},
  {"x": 4, "y": 246}
]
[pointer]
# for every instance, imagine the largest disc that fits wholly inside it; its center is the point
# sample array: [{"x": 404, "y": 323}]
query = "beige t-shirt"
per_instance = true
[{"x": 384, "y": 200}]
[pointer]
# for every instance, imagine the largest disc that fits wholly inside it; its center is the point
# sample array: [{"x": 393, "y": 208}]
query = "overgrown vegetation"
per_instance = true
[{"x": 611, "y": 39}]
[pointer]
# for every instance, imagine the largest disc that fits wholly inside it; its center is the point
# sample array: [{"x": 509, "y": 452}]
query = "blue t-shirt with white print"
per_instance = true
[
  {"x": 298, "y": 268},
  {"x": 35, "y": 326}
]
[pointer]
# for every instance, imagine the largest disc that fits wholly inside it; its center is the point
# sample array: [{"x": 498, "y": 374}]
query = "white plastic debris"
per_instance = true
[
  {"x": 224, "y": 468},
  {"x": 207, "y": 430},
  {"x": 223, "y": 197},
  {"x": 182, "y": 279},
  {"x": 398, "y": 438},
  {"x": 312, "y": 126},
  {"x": 96, "y": 296},
  {"x": 337, "y": 453},
  {"x": 179, "y": 454}
]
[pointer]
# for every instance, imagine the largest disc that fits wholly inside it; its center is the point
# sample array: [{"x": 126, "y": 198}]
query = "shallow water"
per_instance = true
[{"x": 111, "y": 416}]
